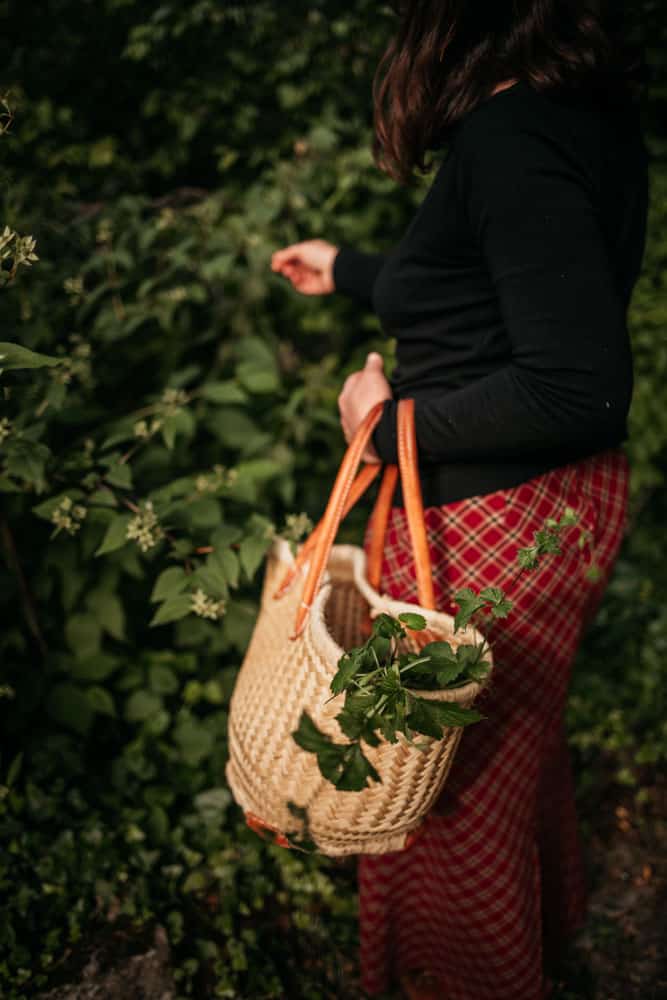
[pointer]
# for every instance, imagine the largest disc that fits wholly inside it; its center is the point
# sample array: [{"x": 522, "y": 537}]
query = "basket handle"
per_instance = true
[
  {"x": 359, "y": 487},
  {"x": 328, "y": 527}
]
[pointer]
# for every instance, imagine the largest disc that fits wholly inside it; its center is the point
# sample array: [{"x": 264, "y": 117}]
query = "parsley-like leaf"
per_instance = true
[{"x": 469, "y": 602}]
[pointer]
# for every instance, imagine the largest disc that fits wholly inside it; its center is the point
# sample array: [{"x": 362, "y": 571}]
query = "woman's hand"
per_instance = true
[
  {"x": 361, "y": 391},
  {"x": 308, "y": 265}
]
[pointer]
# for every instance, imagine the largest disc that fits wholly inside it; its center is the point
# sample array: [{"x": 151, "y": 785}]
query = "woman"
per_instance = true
[{"x": 507, "y": 295}]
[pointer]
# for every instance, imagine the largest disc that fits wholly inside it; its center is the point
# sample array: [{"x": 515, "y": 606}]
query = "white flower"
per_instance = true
[
  {"x": 68, "y": 516},
  {"x": 205, "y": 606},
  {"x": 144, "y": 528}
]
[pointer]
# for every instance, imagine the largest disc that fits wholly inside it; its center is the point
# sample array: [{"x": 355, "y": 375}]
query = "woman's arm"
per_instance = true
[
  {"x": 354, "y": 272},
  {"x": 568, "y": 382}
]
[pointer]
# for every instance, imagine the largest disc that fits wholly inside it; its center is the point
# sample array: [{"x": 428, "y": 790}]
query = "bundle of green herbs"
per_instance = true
[{"x": 380, "y": 678}]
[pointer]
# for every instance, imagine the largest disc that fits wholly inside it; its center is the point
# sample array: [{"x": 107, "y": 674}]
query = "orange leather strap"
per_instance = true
[
  {"x": 412, "y": 500},
  {"x": 359, "y": 487},
  {"x": 378, "y": 525},
  {"x": 334, "y": 513},
  {"x": 340, "y": 502}
]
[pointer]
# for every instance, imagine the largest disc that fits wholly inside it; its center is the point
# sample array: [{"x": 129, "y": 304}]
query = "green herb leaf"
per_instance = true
[
  {"x": 387, "y": 626},
  {"x": 429, "y": 717},
  {"x": 469, "y": 602},
  {"x": 495, "y": 597},
  {"x": 308, "y": 736},
  {"x": 413, "y": 621},
  {"x": 421, "y": 719},
  {"x": 355, "y": 771},
  {"x": 348, "y": 666}
]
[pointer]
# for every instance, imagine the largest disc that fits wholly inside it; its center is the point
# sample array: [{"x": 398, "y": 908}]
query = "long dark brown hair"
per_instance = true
[{"x": 448, "y": 55}]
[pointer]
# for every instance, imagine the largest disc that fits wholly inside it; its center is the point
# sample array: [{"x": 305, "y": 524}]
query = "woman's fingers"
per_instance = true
[
  {"x": 310, "y": 257},
  {"x": 295, "y": 252}
]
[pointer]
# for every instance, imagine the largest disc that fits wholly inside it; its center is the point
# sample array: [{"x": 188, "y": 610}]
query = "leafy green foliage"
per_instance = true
[{"x": 380, "y": 704}]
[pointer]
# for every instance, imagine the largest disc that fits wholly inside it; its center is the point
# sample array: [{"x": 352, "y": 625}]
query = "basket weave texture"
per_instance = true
[{"x": 281, "y": 676}]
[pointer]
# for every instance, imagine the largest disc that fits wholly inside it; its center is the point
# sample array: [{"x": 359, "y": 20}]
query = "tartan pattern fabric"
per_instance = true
[{"x": 494, "y": 884}]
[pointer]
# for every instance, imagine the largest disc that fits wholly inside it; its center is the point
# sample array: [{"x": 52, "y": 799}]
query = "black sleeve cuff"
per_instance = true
[
  {"x": 384, "y": 437},
  {"x": 354, "y": 272}
]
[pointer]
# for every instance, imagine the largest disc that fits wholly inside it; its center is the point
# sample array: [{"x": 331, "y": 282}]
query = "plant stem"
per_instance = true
[{"x": 422, "y": 659}]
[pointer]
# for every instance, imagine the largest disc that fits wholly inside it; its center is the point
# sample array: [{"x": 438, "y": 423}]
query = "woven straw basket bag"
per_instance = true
[{"x": 313, "y": 608}]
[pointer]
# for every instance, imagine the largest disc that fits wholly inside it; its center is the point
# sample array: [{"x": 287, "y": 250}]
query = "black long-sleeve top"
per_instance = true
[{"x": 508, "y": 293}]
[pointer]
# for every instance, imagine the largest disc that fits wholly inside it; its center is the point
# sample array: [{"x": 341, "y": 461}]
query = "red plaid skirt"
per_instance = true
[{"x": 495, "y": 884}]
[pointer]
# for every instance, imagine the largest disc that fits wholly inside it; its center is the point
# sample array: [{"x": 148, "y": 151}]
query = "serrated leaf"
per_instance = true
[
  {"x": 258, "y": 378},
  {"x": 355, "y": 771},
  {"x": 116, "y": 534},
  {"x": 141, "y": 705},
  {"x": 108, "y": 612},
  {"x": 308, "y": 736},
  {"x": 381, "y": 646},
  {"x": 83, "y": 635},
  {"x": 226, "y": 535},
  {"x": 527, "y": 557},
  {"x": 13, "y": 356},
  {"x": 469, "y": 602},
  {"x": 172, "y": 610},
  {"x": 101, "y": 701},
  {"x": 162, "y": 680},
  {"x": 347, "y": 668},
  {"x": 440, "y": 653},
  {"x": 422, "y": 720},
  {"x": 94, "y": 668},
  {"x": 429, "y": 717},
  {"x": 227, "y": 562},
  {"x": 169, "y": 583},
  {"x": 119, "y": 475},
  {"x": 387, "y": 626},
  {"x": 223, "y": 392},
  {"x": 251, "y": 553},
  {"x": 478, "y": 671}
]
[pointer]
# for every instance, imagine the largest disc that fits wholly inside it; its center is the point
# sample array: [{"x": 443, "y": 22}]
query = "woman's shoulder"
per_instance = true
[
  {"x": 559, "y": 116},
  {"x": 521, "y": 125}
]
